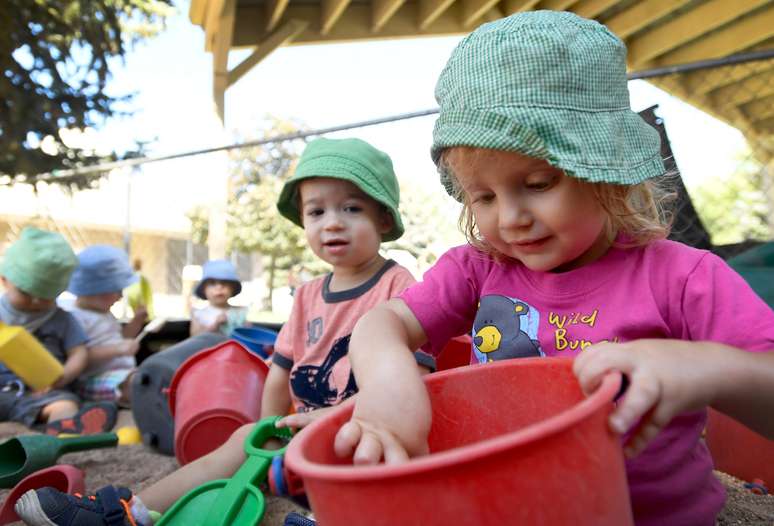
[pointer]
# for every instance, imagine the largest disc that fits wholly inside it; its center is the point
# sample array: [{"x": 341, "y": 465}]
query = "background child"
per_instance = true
[
  {"x": 219, "y": 283},
  {"x": 345, "y": 196},
  {"x": 35, "y": 270},
  {"x": 102, "y": 273},
  {"x": 536, "y": 138}
]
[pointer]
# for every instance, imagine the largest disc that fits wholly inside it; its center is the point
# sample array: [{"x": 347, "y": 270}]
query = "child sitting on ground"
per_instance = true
[
  {"x": 219, "y": 283},
  {"x": 101, "y": 275},
  {"x": 345, "y": 196},
  {"x": 35, "y": 270},
  {"x": 535, "y": 137}
]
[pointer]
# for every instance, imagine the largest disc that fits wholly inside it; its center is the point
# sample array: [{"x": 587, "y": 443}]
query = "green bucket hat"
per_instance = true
[
  {"x": 39, "y": 263},
  {"x": 352, "y": 160},
  {"x": 549, "y": 85}
]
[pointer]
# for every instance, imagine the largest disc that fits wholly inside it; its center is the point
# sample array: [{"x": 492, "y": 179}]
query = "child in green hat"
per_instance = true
[
  {"x": 345, "y": 196},
  {"x": 557, "y": 179},
  {"x": 35, "y": 270}
]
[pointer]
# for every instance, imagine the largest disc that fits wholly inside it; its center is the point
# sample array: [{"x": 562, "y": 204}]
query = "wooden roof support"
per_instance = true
[
  {"x": 556, "y": 5},
  {"x": 517, "y": 6},
  {"x": 430, "y": 10},
  {"x": 222, "y": 35},
  {"x": 274, "y": 11},
  {"x": 751, "y": 88},
  {"x": 641, "y": 15},
  {"x": 593, "y": 8},
  {"x": 704, "y": 81},
  {"x": 382, "y": 11},
  {"x": 731, "y": 39},
  {"x": 331, "y": 11},
  {"x": 760, "y": 109},
  {"x": 212, "y": 20},
  {"x": 473, "y": 10},
  {"x": 686, "y": 27},
  {"x": 282, "y": 35}
]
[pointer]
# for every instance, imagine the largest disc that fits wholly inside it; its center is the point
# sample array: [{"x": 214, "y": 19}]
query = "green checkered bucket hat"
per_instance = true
[
  {"x": 352, "y": 160},
  {"x": 550, "y": 85}
]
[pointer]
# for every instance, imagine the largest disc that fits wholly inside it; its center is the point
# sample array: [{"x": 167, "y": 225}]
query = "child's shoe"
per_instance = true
[
  {"x": 97, "y": 417},
  {"x": 50, "y": 507}
]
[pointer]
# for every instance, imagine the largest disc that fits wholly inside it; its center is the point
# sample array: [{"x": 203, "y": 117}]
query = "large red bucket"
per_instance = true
[
  {"x": 212, "y": 394},
  {"x": 514, "y": 442},
  {"x": 738, "y": 450}
]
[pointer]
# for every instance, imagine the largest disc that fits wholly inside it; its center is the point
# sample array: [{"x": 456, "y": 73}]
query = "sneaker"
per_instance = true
[
  {"x": 50, "y": 507},
  {"x": 97, "y": 417}
]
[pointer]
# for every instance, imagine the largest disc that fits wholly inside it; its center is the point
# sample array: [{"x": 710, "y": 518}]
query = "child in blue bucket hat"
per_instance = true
[
  {"x": 102, "y": 273},
  {"x": 558, "y": 179},
  {"x": 35, "y": 270},
  {"x": 219, "y": 283}
]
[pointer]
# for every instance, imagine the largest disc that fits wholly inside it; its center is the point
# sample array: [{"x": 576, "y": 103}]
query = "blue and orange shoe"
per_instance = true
[
  {"x": 50, "y": 507},
  {"x": 95, "y": 417}
]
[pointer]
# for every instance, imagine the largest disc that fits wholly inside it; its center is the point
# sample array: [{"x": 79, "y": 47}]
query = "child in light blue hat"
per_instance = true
[
  {"x": 556, "y": 174},
  {"x": 102, "y": 273},
  {"x": 35, "y": 270},
  {"x": 219, "y": 283}
]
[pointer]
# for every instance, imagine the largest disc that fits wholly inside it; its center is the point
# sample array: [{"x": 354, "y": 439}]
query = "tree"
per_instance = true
[
  {"x": 56, "y": 57},
  {"x": 735, "y": 208}
]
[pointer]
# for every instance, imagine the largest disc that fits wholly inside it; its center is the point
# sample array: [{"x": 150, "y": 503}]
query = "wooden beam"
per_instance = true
[
  {"x": 197, "y": 11},
  {"x": 759, "y": 109},
  {"x": 430, "y": 10},
  {"x": 593, "y": 8},
  {"x": 556, "y": 5},
  {"x": 331, "y": 11},
  {"x": 751, "y": 88},
  {"x": 472, "y": 10},
  {"x": 220, "y": 48},
  {"x": 382, "y": 11},
  {"x": 704, "y": 81},
  {"x": 733, "y": 38},
  {"x": 274, "y": 11},
  {"x": 282, "y": 35},
  {"x": 684, "y": 28},
  {"x": 641, "y": 15},
  {"x": 517, "y": 6},
  {"x": 212, "y": 20}
]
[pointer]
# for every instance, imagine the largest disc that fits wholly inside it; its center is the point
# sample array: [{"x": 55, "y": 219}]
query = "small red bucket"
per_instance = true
[
  {"x": 212, "y": 394},
  {"x": 514, "y": 442},
  {"x": 738, "y": 450}
]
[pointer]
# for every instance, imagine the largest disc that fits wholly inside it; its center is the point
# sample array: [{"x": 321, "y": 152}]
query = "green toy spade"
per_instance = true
[
  {"x": 27, "y": 454},
  {"x": 236, "y": 501}
]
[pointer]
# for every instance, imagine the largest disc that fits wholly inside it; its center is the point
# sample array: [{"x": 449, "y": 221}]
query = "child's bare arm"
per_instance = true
[
  {"x": 276, "y": 394},
  {"x": 103, "y": 353},
  {"x": 670, "y": 377},
  {"x": 77, "y": 358},
  {"x": 392, "y": 414},
  {"x": 135, "y": 325}
]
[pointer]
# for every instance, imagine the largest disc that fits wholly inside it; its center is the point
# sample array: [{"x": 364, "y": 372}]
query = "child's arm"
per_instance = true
[
  {"x": 198, "y": 327},
  {"x": 392, "y": 413},
  {"x": 77, "y": 358},
  {"x": 276, "y": 394},
  {"x": 135, "y": 325},
  {"x": 103, "y": 353},
  {"x": 669, "y": 377}
]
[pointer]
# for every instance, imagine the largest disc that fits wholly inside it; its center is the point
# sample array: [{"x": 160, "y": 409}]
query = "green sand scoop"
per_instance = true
[
  {"x": 21, "y": 456},
  {"x": 236, "y": 501}
]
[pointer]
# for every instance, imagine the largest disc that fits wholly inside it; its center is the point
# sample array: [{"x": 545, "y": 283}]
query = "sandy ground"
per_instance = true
[{"x": 136, "y": 467}]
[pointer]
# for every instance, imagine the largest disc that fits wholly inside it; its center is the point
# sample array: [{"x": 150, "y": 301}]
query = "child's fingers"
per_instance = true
[
  {"x": 369, "y": 451},
  {"x": 642, "y": 395},
  {"x": 346, "y": 439},
  {"x": 591, "y": 366},
  {"x": 296, "y": 421}
]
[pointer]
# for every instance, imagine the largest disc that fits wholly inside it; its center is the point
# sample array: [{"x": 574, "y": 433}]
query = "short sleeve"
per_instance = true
[
  {"x": 74, "y": 335},
  {"x": 445, "y": 301},
  {"x": 718, "y": 305}
]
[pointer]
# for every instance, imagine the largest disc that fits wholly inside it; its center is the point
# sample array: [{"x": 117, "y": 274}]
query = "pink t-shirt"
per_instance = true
[
  {"x": 664, "y": 290},
  {"x": 314, "y": 343}
]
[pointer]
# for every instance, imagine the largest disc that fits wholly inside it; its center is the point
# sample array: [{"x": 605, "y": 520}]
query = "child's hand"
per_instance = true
[
  {"x": 129, "y": 347},
  {"x": 380, "y": 429},
  {"x": 666, "y": 378},
  {"x": 301, "y": 420}
]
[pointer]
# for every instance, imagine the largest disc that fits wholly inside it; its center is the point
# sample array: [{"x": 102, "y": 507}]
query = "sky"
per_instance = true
[{"x": 319, "y": 85}]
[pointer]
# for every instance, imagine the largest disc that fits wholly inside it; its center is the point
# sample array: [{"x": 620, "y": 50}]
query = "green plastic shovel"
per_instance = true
[
  {"x": 27, "y": 454},
  {"x": 236, "y": 501}
]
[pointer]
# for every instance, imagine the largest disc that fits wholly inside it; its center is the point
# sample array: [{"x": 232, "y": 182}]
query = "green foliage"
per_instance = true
[
  {"x": 200, "y": 224},
  {"x": 735, "y": 208},
  {"x": 56, "y": 57}
]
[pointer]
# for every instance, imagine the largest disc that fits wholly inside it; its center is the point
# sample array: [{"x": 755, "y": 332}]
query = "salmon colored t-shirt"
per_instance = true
[{"x": 313, "y": 344}]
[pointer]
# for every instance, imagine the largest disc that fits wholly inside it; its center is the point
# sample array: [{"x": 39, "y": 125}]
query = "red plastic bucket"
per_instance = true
[
  {"x": 212, "y": 394},
  {"x": 514, "y": 442},
  {"x": 738, "y": 450}
]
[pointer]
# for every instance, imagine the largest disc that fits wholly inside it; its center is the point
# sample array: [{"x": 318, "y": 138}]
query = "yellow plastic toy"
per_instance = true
[
  {"x": 23, "y": 354},
  {"x": 128, "y": 435}
]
